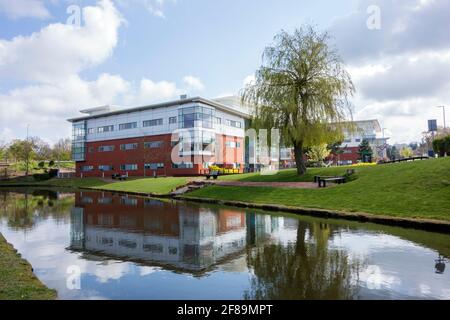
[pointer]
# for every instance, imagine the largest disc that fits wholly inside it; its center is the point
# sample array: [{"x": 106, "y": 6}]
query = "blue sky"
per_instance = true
[
  {"x": 142, "y": 51},
  {"x": 218, "y": 41}
]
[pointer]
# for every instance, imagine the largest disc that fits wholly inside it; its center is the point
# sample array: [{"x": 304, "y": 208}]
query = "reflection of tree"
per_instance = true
[
  {"x": 308, "y": 269},
  {"x": 22, "y": 210}
]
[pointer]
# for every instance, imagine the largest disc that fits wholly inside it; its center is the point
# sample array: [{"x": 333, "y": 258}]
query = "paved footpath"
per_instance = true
[{"x": 301, "y": 185}]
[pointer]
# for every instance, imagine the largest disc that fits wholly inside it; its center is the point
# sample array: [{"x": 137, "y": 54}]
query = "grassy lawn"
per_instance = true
[
  {"x": 144, "y": 185},
  {"x": 17, "y": 281},
  {"x": 418, "y": 189},
  {"x": 147, "y": 185}
]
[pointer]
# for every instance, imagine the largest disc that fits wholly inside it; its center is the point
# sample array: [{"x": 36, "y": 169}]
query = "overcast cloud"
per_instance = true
[{"x": 401, "y": 70}]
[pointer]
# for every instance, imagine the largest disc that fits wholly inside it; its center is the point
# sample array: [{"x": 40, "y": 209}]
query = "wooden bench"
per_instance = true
[
  {"x": 323, "y": 180},
  {"x": 119, "y": 176}
]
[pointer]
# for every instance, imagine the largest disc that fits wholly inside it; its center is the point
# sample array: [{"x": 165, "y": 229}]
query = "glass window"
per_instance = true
[
  {"x": 105, "y": 168},
  {"x": 105, "y": 129},
  {"x": 128, "y": 146},
  {"x": 172, "y": 120},
  {"x": 230, "y": 144},
  {"x": 128, "y": 201},
  {"x": 154, "y": 166},
  {"x": 153, "y": 122},
  {"x": 129, "y": 167},
  {"x": 127, "y": 243},
  {"x": 87, "y": 200},
  {"x": 79, "y": 131},
  {"x": 153, "y": 144},
  {"x": 105, "y": 148},
  {"x": 130, "y": 125},
  {"x": 105, "y": 200},
  {"x": 87, "y": 168},
  {"x": 91, "y": 130},
  {"x": 195, "y": 117},
  {"x": 154, "y": 248},
  {"x": 235, "y": 124},
  {"x": 187, "y": 165}
]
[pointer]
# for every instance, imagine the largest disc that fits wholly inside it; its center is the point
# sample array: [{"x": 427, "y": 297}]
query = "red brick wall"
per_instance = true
[
  {"x": 143, "y": 155},
  {"x": 352, "y": 155}
]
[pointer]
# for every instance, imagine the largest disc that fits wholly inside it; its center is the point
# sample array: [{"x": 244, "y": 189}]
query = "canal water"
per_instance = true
[{"x": 95, "y": 245}]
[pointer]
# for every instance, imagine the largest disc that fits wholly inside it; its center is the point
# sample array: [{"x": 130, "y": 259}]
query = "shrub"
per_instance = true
[
  {"x": 442, "y": 146},
  {"x": 363, "y": 164},
  {"x": 41, "y": 176}
]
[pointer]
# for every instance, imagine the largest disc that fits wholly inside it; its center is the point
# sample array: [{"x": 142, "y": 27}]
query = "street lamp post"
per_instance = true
[{"x": 443, "y": 113}]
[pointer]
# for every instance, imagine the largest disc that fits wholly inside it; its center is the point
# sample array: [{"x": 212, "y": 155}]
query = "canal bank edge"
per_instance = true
[
  {"x": 17, "y": 280},
  {"x": 422, "y": 224}
]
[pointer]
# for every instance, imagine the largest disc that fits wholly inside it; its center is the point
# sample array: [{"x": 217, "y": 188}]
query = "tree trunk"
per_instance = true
[{"x": 299, "y": 160}]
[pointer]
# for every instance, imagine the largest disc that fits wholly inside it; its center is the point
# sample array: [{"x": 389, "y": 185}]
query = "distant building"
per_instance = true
[{"x": 369, "y": 130}]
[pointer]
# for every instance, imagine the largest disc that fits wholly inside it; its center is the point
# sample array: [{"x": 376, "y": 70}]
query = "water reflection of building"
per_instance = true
[{"x": 149, "y": 231}]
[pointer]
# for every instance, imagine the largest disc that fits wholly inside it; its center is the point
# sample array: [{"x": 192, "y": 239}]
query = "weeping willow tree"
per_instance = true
[{"x": 302, "y": 89}]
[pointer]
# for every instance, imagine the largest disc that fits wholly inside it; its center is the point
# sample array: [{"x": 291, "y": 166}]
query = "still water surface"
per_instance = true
[{"x": 138, "y": 248}]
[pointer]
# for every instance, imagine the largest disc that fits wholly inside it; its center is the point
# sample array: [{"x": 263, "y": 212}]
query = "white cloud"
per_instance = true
[
  {"x": 398, "y": 70},
  {"x": 46, "y": 106},
  {"x": 59, "y": 50},
  {"x": 193, "y": 83},
  {"x": 6, "y": 135},
  {"x": 50, "y": 61},
  {"x": 404, "y": 76},
  {"x": 406, "y": 27},
  {"x": 154, "y": 7},
  {"x": 150, "y": 91},
  {"x": 24, "y": 9}
]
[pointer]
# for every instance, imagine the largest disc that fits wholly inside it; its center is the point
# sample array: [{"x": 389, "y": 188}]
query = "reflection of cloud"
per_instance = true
[
  {"x": 143, "y": 271},
  {"x": 445, "y": 294},
  {"x": 110, "y": 271},
  {"x": 363, "y": 244},
  {"x": 425, "y": 289},
  {"x": 374, "y": 278}
]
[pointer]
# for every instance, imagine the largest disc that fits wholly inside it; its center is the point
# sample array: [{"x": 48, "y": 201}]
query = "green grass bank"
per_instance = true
[
  {"x": 418, "y": 189},
  {"x": 156, "y": 186},
  {"x": 17, "y": 281}
]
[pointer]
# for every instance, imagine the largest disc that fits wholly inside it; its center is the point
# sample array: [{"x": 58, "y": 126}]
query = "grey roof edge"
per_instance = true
[{"x": 163, "y": 105}]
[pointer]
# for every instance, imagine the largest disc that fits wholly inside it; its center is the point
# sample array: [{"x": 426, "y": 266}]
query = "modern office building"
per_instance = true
[{"x": 182, "y": 137}]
